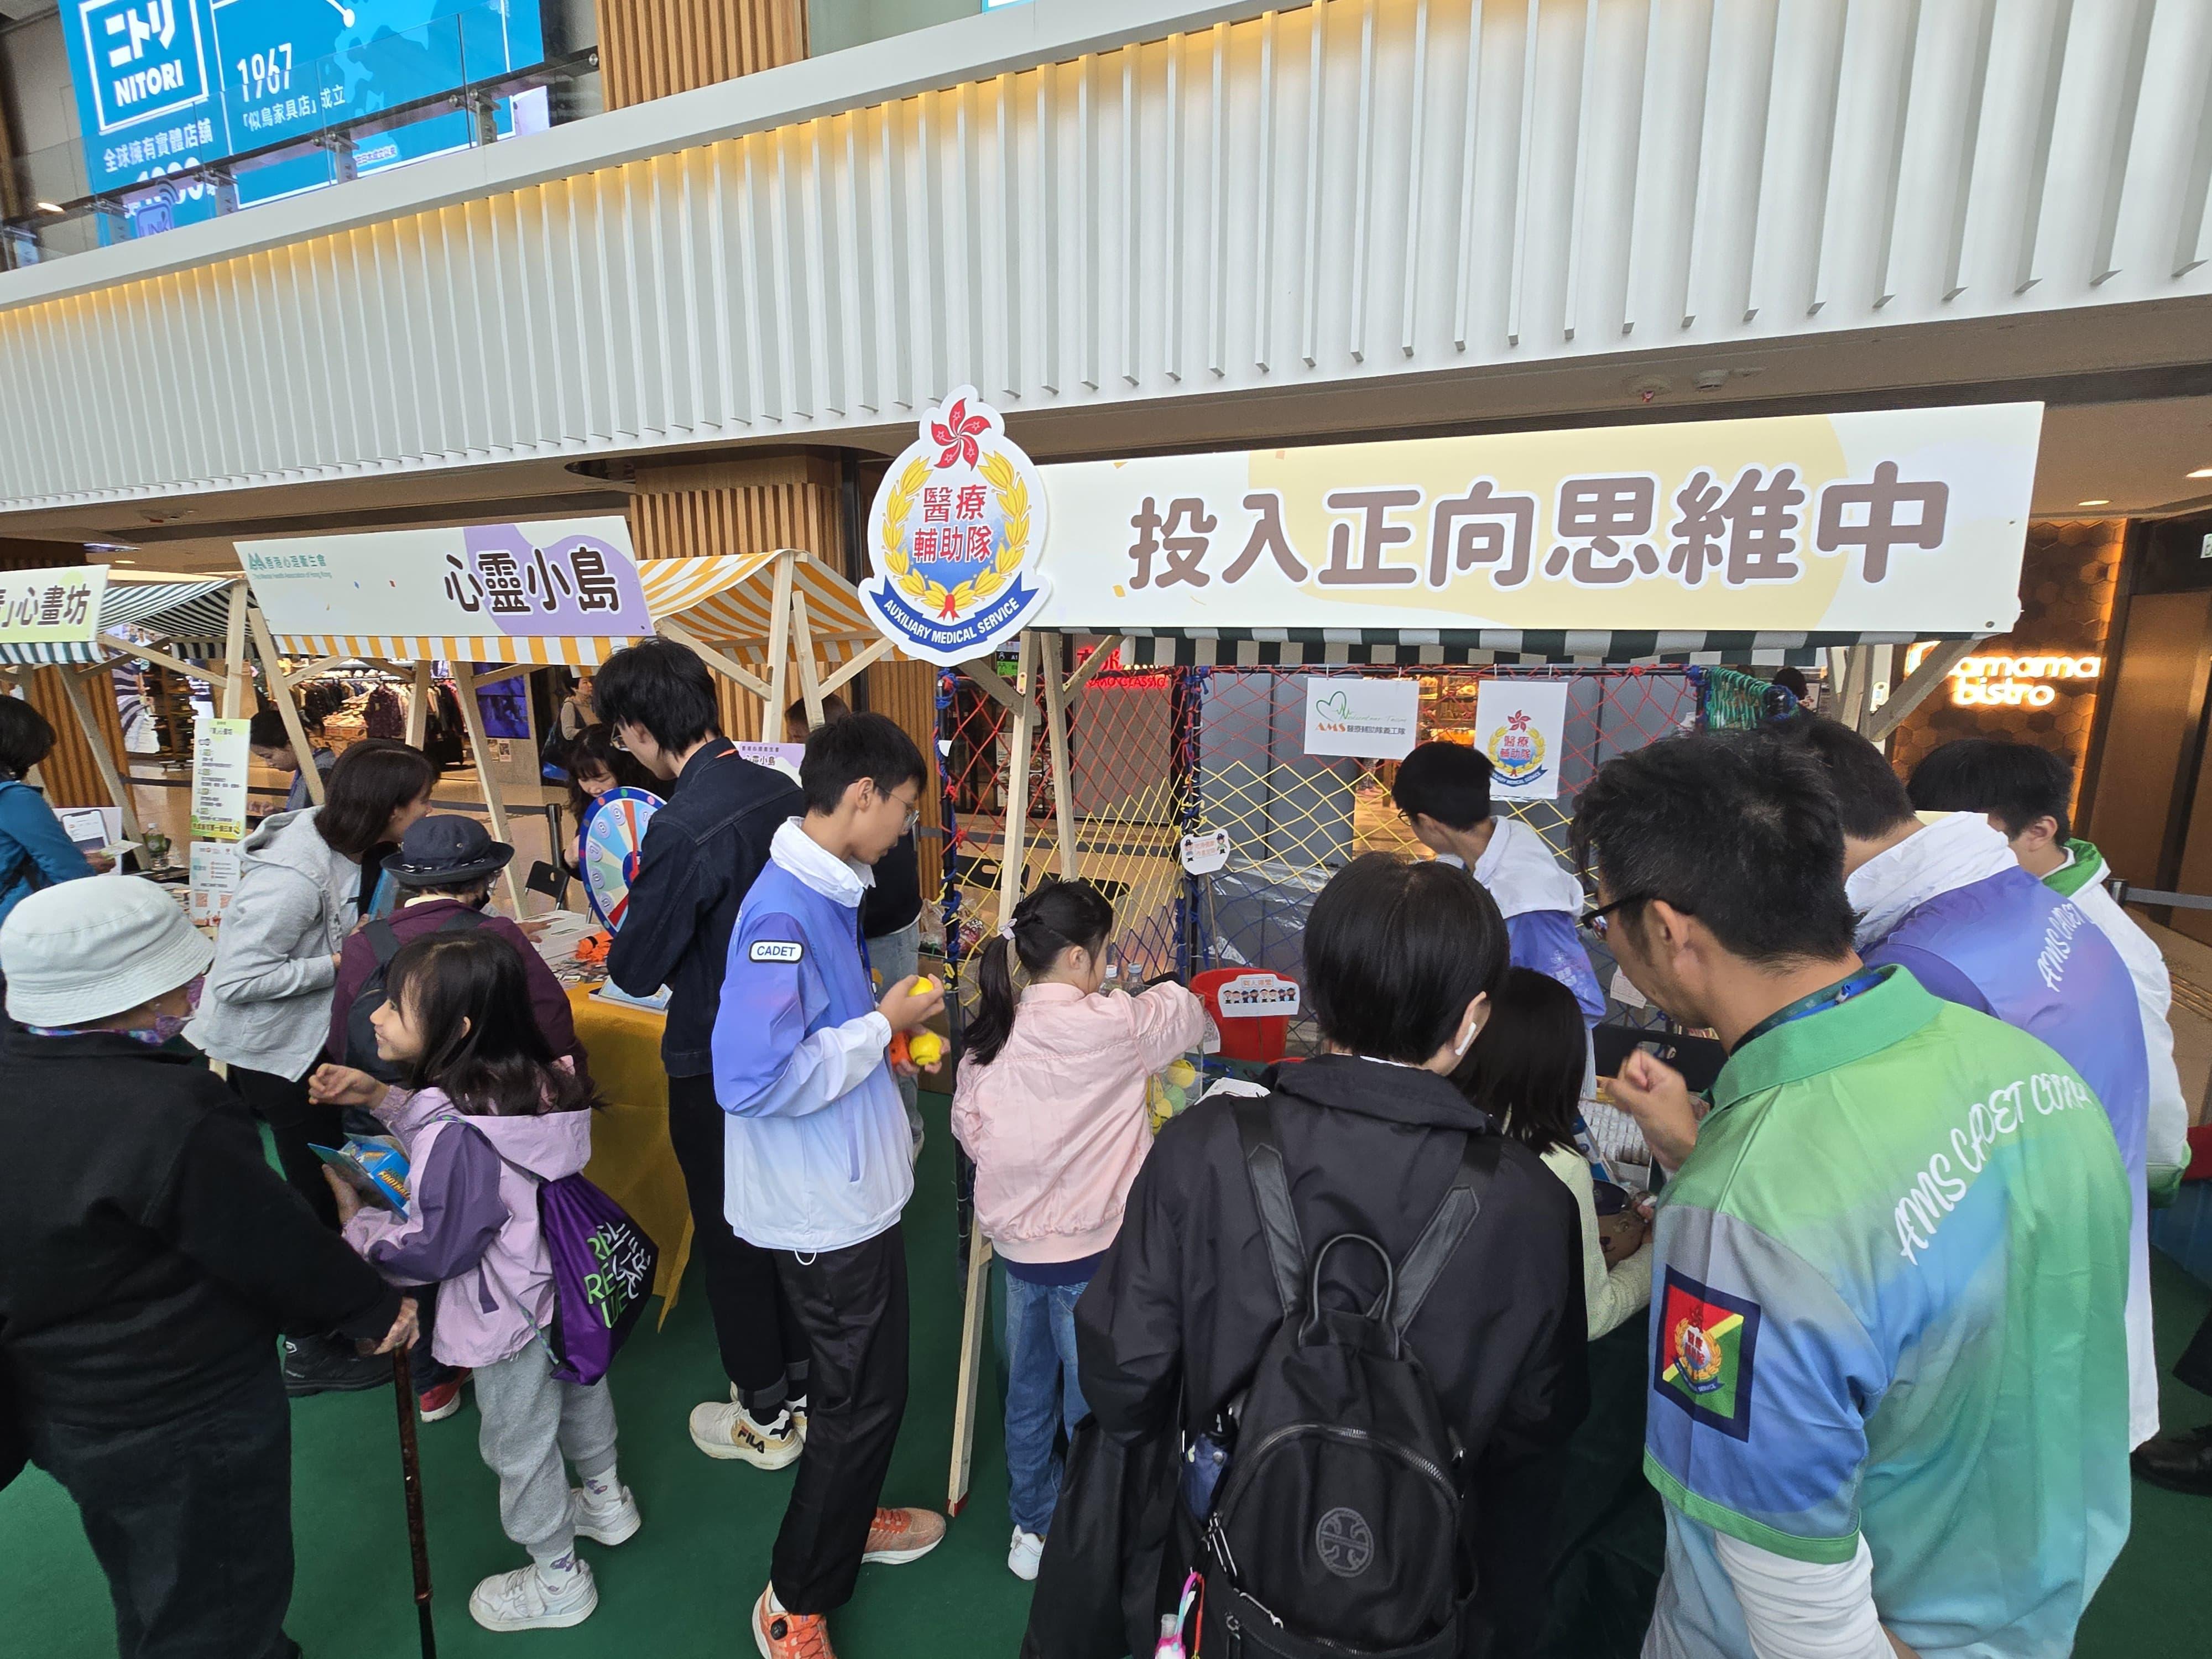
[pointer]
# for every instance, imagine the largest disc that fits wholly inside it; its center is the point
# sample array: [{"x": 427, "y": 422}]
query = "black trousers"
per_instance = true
[
  {"x": 852, "y": 1304},
  {"x": 2194, "y": 1367},
  {"x": 763, "y": 1349},
  {"x": 295, "y": 1122},
  {"x": 191, "y": 1518}
]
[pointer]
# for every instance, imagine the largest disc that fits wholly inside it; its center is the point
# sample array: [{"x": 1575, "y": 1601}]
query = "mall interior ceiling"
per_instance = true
[{"x": 2127, "y": 428}]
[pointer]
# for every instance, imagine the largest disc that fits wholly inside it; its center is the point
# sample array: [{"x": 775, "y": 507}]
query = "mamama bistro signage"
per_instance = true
[
  {"x": 2032, "y": 680},
  {"x": 1906, "y": 521}
]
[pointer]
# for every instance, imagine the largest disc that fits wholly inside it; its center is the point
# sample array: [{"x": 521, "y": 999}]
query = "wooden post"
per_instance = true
[
  {"x": 1934, "y": 668},
  {"x": 976, "y": 1305},
  {"x": 1021, "y": 728},
  {"x": 810, "y": 677},
  {"x": 1055, "y": 733},
  {"x": 237, "y": 672},
  {"x": 418, "y": 703},
  {"x": 288, "y": 705},
  {"x": 95, "y": 740},
  {"x": 495, "y": 802},
  {"x": 779, "y": 653}
]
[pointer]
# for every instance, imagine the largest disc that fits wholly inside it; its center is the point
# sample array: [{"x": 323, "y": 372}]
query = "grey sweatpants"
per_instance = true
[{"x": 529, "y": 1420}]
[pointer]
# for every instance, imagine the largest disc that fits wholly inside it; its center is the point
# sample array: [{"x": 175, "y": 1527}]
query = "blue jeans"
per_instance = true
[{"x": 1043, "y": 1395}]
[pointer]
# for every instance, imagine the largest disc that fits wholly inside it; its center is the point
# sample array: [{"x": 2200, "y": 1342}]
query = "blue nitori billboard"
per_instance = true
[{"x": 167, "y": 86}]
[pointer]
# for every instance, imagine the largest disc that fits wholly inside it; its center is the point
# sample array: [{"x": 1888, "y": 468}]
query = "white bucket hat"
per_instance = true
[{"x": 83, "y": 950}]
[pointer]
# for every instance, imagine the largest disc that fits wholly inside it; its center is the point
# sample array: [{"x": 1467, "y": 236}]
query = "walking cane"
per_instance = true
[{"x": 410, "y": 1475}]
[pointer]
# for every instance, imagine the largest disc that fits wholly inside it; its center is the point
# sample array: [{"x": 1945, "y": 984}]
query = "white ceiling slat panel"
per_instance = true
[{"x": 1325, "y": 183}]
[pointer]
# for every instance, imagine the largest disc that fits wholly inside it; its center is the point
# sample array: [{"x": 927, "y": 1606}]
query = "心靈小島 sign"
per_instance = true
[
  {"x": 954, "y": 536},
  {"x": 1908, "y": 522},
  {"x": 567, "y": 577}
]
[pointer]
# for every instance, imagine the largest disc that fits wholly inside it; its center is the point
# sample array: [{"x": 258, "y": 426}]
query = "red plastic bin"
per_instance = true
[{"x": 1260, "y": 1038}]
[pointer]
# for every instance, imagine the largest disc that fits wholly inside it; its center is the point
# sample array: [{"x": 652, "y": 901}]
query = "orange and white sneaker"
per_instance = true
[
  {"x": 780, "y": 1634},
  {"x": 899, "y": 1536}
]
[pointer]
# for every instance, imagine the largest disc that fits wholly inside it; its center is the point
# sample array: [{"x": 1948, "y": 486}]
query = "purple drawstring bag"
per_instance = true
[{"x": 602, "y": 1269}]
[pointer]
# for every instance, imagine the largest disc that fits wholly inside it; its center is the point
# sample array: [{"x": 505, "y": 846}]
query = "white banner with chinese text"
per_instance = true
[
  {"x": 562, "y": 577},
  {"x": 1905, "y": 521}
]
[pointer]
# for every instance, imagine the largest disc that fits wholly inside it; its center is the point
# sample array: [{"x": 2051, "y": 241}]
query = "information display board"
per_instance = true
[{"x": 164, "y": 87}]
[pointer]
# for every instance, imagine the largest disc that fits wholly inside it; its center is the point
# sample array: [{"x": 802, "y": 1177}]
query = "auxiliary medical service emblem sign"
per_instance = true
[{"x": 954, "y": 536}]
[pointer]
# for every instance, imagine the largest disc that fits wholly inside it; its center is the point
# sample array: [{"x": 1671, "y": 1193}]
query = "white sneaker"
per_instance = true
[
  {"x": 610, "y": 1520},
  {"x": 796, "y": 1406},
  {"x": 727, "y": 1430},
  {"x": 1023, "y": 1558},
  {"x": 528, "y": 1599}
]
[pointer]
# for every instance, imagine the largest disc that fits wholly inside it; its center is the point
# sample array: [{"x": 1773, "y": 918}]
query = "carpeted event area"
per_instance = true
[{"x": 683, "y": 1585}]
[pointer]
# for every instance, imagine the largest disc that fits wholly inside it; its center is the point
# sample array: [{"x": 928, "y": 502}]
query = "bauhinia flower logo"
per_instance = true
[
  {"x": 955, "y": 535},
  {"x": 956, "y": 435}
]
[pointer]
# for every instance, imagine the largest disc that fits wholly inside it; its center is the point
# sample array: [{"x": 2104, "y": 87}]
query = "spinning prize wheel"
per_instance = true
[{"x": 614, "y": 830}]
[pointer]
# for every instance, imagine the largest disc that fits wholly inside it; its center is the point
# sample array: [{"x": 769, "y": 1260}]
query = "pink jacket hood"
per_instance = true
[{"x": 1056, "y": 1120}]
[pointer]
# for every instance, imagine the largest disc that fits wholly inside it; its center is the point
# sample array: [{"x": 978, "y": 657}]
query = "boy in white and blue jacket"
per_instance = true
[{"x": 819, "y": 1159}]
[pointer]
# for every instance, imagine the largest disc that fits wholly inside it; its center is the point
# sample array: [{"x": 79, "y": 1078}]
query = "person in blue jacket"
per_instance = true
[
  {"x": 819, "y": 1160},
  {"x": 33, "y": 851},
  {"x": 1443, "y": 790},
  {"x": 1947, "y": 899}
]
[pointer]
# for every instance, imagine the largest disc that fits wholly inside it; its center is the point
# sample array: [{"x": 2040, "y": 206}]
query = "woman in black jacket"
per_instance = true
[
  {"x": 148, "y": 1256},
  {"x": 1399, "y": 958}
]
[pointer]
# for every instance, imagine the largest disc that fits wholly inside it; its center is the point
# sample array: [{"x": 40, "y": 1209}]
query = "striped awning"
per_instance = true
[
  {"x": 187, "y": 619},
  {"x": 1296, "y": 647},
  {"x": 726, "y": 599}
]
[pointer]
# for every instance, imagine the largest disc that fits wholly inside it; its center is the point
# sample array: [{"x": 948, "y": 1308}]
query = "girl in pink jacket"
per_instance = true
[
  {"x": 487, "y": 1115},
  {"x": 1050, "y": 1103}
]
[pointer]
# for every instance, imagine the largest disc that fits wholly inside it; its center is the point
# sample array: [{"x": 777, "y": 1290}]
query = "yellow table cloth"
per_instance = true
[{"x": 632, "y": 1161}]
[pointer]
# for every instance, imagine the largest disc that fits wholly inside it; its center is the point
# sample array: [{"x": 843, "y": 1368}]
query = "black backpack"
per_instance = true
[
  {"x": 360, "y": 1035},
  {"x": 1336, "y": 1528}
]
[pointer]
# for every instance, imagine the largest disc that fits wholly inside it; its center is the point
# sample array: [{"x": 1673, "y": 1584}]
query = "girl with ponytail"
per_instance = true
[{"x": 1050, "y": 1104}]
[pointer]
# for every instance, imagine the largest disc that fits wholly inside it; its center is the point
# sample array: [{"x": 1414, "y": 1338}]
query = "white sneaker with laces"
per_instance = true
[
  {"x": 726, "y": 1430},
  {"x": 613, "y": 1519},
  {"x": 1023, "y": 1558},
  {"x": 533, "y": 1598}
]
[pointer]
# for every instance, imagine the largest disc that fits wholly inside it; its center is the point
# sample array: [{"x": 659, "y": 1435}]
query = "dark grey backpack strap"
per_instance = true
[
  {"x": 1462, "y": 1202},
  {"x": 1271, "y": 1192},
  {"x": 383, "y": 941}
]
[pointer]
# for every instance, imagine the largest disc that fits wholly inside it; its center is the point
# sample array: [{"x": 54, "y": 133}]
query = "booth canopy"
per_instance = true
[
  {"x": 726, "y": 599},
  {"x": 1295, "y": 647},
  {"x": 187, "y": 618}
]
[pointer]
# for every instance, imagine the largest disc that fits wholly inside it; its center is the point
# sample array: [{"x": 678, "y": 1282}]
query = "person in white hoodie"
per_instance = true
[
  {"x": 820, "y": 1162},
  {"x": 2027, "y": 793},
  {"x": 1948, "y": 901},
  {"x": 1443, "y": 790}
]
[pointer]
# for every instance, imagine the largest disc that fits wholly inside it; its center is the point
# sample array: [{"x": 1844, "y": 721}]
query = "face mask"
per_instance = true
[{"x": 166, "y": 1026}]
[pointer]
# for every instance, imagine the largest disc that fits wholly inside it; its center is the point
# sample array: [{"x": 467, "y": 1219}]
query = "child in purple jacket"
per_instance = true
[{"x": 486, "y": 1113}]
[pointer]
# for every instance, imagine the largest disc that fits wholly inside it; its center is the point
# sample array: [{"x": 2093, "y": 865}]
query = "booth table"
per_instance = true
[{"x": 632, "y": 1161}]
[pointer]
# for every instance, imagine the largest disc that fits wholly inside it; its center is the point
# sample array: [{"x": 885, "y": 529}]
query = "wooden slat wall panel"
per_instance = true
[
  {"x": 746, "y": 507},
  {"x": 654, "y": 48},
  {"x": 907, "y": 691}
]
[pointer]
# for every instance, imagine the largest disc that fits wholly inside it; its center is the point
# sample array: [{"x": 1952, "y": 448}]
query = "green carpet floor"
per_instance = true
[{"x": 683, "y": 1585}]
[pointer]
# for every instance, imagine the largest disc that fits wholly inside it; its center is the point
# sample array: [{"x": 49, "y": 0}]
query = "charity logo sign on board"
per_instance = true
[
  {"x": 954, "y": 536},
  {"x": 1364, "y": 719},
  {"x": 1522, "y": 726}
]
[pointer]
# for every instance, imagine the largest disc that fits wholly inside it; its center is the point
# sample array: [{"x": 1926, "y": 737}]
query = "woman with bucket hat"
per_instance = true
[{"x": 149, "y": 1257}]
